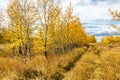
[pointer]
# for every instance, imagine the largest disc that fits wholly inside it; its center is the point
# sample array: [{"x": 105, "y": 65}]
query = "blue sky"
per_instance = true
[
  {"x": 3, "y": 3},
  {"x": 93, "y": 14}
]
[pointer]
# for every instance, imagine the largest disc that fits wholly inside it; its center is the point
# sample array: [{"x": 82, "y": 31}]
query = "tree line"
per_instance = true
[{"x": 42, "y": 26}]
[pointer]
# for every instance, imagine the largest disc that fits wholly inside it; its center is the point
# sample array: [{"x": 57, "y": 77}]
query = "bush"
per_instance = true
[
  {"x": 110, "y": 39},
  {"x": 91, "y": 39}
]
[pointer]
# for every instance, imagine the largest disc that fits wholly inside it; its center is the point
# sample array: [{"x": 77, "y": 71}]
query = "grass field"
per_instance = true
[{"x": 95, "y": 62}]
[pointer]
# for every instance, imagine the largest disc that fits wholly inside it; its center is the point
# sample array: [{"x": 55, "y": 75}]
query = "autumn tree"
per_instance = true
[
  {"x": 115, "y": 14},
  {"x": 110, "y": 39},
  {"x": 1, "y": 20},
  {"x": 75, "y": 33},
  {"x": 22, "y": 17},
  {"x": 58, "y": 31},
  {"x": 115, "y": 17},
  {"x": 91, "y": 39},
  {"x": 47, "y": 10},
  {"x": 68, "y": 19}
]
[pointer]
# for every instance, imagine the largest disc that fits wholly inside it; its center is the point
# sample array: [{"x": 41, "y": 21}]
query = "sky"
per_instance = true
[{"x": 93, "y": 14}]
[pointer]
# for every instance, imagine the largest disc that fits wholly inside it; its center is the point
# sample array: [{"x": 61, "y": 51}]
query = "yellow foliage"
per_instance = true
[
  {"x": 110, "y": 39},
  {"x": 91, "y": 39}
]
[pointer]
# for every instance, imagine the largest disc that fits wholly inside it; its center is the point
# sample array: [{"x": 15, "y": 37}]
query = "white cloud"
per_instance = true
[
  {"x": 3, "y": 3},
  {"x": 93, "y": 9},
  {"x": 93, "y": 12}
]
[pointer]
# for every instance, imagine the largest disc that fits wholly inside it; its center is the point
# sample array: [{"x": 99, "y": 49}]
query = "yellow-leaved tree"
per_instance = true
[
  {"x": 21, "y": 15},
  {"x": 58, "y": 31},
  {"x": 48, "y": 17},
  {"x": 1, "y": 27},
  {"x": 112, "y": 39}
]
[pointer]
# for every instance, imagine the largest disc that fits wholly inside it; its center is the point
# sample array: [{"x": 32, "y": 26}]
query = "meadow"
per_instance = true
[{"x": 43, "y": 41}]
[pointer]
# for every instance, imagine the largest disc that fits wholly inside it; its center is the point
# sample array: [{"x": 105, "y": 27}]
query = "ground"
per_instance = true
[{"x": 95, "y": 61}]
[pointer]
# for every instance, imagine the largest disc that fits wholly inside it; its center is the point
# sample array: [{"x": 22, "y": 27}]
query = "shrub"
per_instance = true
[{"x": 110, "y": 39}]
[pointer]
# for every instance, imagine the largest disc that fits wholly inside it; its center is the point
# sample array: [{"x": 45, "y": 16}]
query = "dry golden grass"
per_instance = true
[
  {"x": 102, "y": 66},
  {"x": 98, "y": 62},
  {"x": 38, "y": 68},
  {"x": 84, "y": 68}
]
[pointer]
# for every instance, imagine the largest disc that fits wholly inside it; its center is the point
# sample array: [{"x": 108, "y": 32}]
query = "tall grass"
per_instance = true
[
  {"x": 78, "y": 64},
  {"x": 105, "y": 66},
  {"x": 38, "y": 68}
]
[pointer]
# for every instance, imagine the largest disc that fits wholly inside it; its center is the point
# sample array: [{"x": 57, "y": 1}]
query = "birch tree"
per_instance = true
[
  {"x": 22, "y": 15},
  {"x": 46, "y": 9}
]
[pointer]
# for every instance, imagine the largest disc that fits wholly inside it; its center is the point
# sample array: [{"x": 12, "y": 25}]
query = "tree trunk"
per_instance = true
[
  {"x": 28, "y": 51},
  {"x": 45, "y": 46},
  {"x": 20, "y": 50}
]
